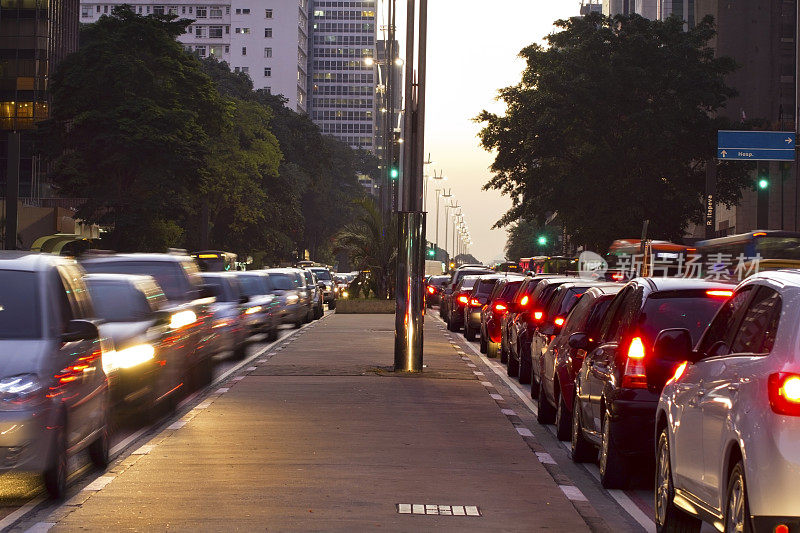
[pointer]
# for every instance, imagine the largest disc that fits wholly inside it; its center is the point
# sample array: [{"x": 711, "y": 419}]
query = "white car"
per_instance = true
[{"x": 728, "y": 421}]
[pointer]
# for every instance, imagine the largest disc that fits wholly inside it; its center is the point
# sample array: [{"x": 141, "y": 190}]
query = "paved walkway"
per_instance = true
[{"x": 322, "y": 436}]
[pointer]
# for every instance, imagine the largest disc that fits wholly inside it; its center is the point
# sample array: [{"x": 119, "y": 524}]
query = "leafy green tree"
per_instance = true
[
  {"x": 133, "y": 115},
  {"x": 613, "y": 123}
]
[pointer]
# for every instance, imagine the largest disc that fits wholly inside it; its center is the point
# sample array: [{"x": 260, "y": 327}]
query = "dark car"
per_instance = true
[
  {"x": 444, "y": 306},
  {"x": 478, "y": 298},
  {"x": 492, "y": 315},
  {"x": 327, "y": 284},
  {"x": 520, "y": 331},
  {"x": 518, "y": 304},
  {"x": 561, "y": 362},
  {"x": 620, "y": 380},
  {"x": 231, "y": 314},
  {"x": 458, "y": 300},
  {"x": 433, "y": 289},
  {"x": 555, "y": 312},
  {"x": 188, "y": 300}
]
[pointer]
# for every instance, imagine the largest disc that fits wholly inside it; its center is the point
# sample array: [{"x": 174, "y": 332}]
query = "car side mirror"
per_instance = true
[
  {"x": 580, "y": 341},
  {"x": 672, "y": 348},
  {"x": 80, "y": 330}
]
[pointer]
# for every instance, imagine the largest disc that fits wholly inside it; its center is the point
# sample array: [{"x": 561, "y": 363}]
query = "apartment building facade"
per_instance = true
[{"x": 268, "y": 40}]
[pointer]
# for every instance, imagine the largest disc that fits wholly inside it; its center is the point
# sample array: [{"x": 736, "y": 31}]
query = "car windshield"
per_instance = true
[
  {"x": 167, "y": 273},
  {"x": 282, "y": 282},
  {"x": 692, "y": 310},
  {"x": 118, "y": 302},
  {"x": 19, "y": 306},
  {"x": 253, "y": 284},
  {"x": 322, "y": 274}
]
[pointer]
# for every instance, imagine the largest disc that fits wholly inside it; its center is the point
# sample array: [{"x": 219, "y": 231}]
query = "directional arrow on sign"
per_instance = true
[
  {"x": 724, "y": 153},
  {"x": 789, "y": 140}
]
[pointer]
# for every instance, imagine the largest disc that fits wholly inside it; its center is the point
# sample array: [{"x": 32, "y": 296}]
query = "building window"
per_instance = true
[
  {"x": 140, "y": 9},
  {"x": 245, "y": 69},
  {"x": 268, "y": 13},
  {"x": 86, "y": 11},
  {"x": 242, "y": 30},
  {"x": 267, "y": 72},
  {"x": 267, "y": 52},
  {"x": 173, "y": 10},
  {"x": 227, "y": 10},
  {"x": 202, "y": 12},
  {"x": 158, "y": 10},
  {"x": 200, "y": 50},
  {"x": 244, "y": 50},
  {"x": 236, "y": 69},
  {"x": 215, "y": 32},
  {"x": 238, "y": 11},
  {"x": 215, "y": 13},
  {"x": 105, "y": 9},
  {"x": 268, "y": 89},
  {"x": 190, "y": 9},
  {"x": 245, "y": 11},
  {"x": 227, "y": 49},
  {"x": 268, "y": 32},
  {"x": 183, "y": 10},
  {"x": 200, "y": 32},
  {"x": 98, "y": 8},
  {"x": 215, "y": 51},
  {"x": 148, "y": 9},
  {"x": 227, "y": 29}
]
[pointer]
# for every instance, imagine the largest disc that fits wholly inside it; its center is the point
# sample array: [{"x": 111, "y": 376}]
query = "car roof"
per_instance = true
[
  {"x": 677, "y": 284},
  {"x": 172, "y": 258},
  {"x": 225, "y": 274},
  {"x": 29, "y": 261},
  {"x": 129, "y": 278}
]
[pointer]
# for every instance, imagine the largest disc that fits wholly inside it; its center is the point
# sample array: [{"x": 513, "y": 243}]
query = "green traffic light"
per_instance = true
[
  {"x": 394, "y": 173},
  {"x": 542, "y": 240},
  {"x": 431, "y": 252},
  {"x": 763, "y": 183}
]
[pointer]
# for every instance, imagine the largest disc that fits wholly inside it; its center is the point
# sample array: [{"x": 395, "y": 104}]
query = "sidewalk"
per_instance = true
[{"x": 321, "y": 436}]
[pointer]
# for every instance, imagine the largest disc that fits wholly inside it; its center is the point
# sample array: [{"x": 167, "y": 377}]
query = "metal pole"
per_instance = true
[
  {"x": 436, "y": 240},
  {"x": 796, "y": 111},
  {"x": 12, "y": 190}
]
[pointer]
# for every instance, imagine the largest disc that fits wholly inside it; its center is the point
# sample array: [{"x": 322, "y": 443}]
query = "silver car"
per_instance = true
[
  {"x": 54, "y": 396},
  {"x": 231, "y": 317},
  {"x": 728, "y": 420},
  {"x": 286, "y": 287},
  {"x": 262, "y": 311}
]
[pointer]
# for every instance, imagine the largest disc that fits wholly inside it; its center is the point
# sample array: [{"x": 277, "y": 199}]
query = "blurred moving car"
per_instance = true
[
  {"x": 728, "y": 420},
  {"x": 261, "y": 312},
  {"x": 561, "y": 362},
  {"x": 477, "y": 299},
  {"x": 187, "y": 300},
  {"x": 286, "y": 288},
  {"x": 307, "y": 292},
  {"x": 145, "y": 366},
  {"x": 231, "y": 314},
  {"x": 619, "y": 383},
  {"x": 458, "y": 300},
  {"x": 317, "y": 290},
  {"x": 492, "y": 315},
  {"x": 54, "y": 397},
  {"x": 331, "y": 290},
  {"x": 433, "y": 289}
]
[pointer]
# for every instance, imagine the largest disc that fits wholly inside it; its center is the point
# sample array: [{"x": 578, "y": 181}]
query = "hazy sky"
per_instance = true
[{"x": 472, "y": 52}]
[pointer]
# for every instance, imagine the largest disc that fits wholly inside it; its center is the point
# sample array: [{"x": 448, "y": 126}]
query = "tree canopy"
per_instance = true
[{"x": 613, "y": 123}]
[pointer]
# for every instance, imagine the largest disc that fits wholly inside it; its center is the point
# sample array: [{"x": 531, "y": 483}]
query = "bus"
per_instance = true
[
  {"x": 215, "y": 260},
  {"x": 626, "y": 256},
  {"x": 753, "y": 251},
  {"x": 546, "y": 264},
  {"x": 507, "y": 266}
]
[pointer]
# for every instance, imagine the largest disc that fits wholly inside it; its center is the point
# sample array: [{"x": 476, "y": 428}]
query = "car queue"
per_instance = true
[
  {"x": 80, "y": 340},
  {"x": 695, "y": 382}
]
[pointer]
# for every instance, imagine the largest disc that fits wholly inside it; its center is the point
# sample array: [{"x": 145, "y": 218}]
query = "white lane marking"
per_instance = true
[
  {"x": 250, "y": 368},
  {"x": 99, "y": 483},
  {"x": 471, "y": 365},
  {"x": 40, "y": 527},
  {"x": 573, "y": 493},
  {"x": 545, "y": 458},
  {"x": 178, "y": 424},
  {"x": 496, "y": 396},
  {"x": 238, "y": 378},
  {"x": 625, "y": 502},
  {"x": 487, "y": 383},
  {"x": 204, "y": 405},
  {"x": 461, "y": 352},
  {"x": 127, "y": 441},
  {"x": 223, "y": 390},
  {"x": 525, "y": 432},
  {"x": 478, "y": 373},
  {"x": 144, "y": 450},
  {"x": 508, "y": 412},
  {"x": 19, "y": 513}
]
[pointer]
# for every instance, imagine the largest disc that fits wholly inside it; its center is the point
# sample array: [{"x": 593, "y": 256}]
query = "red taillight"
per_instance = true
[
  {"x": 474, "y": 302},
  {"x": 538, "y": 316},
  {"x": 782, "y": 528},
  {"x": 524, "y": 301},
  {"x": 635, "y": 376},
  {"x": 618, "y": 276},
  {"x": 500, "y": 307},
  {"x": 719, "y": 293},
  {"x": 463, "y": 299},
  {"x": 559, "y": 321},
  {"x": 784, "y": 393},
  {"x": 431, "y": 290}
]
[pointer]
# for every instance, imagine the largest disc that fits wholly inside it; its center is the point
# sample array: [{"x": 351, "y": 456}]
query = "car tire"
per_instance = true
[
  {"x": 668, "y": 517},
  {"x": 55, "y": 477},
  {"x": 332, "y": 305},
  {"x": 469, "y": 333},
  {"x": 99, "y": 449},
  {"x": 452, "y": 326},
  {"x": 546, "y": 413},
  {"x": 299, "y": 322},
  {"x": 612, "y": 464},
  {"x": 737, "y": 504},
  {"x": 513, "y": 367},
  {"x": 240, "y": 352},
  {"x": 525, "y": 372},
  {"x": 484, "y": 346},
  {"x": 492, "y": 349},
  {"x": 581, "y": 450},
  {"x": 563, "y": 419}
]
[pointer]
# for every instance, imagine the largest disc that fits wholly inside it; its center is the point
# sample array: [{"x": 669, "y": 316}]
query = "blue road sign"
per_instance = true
[{"x": 756, "y": 145}]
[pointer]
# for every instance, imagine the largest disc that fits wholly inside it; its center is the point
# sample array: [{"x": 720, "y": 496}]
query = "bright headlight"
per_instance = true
[
  {"x": 253, "y": 310},
  {"x": 292, "y": 298},
  {"x": 345, "y": 294},
  {"x": 17, "y": 392},
  {"x": 128, "y": 358},
  {"x": 182, "y": 318}
]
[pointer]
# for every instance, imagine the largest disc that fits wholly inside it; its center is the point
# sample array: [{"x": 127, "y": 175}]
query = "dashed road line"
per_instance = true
[{"x": 573, "y": 493}]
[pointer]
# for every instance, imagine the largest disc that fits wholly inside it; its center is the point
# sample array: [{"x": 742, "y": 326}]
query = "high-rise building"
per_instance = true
[
  {"x": 343, "y": 70},
  {"x": 266, "y": 40}
]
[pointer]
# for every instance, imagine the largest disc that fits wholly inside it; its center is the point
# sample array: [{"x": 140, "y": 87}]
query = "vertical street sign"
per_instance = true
[{"x": 755, "y": 145}]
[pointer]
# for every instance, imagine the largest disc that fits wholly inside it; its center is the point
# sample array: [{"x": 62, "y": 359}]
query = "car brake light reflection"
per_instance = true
[
  {"x": 474, "y": 302},
  {"x": 538, "y": 316},
  {"x": 463, "y": 299},
  {"x": 500, "y": 308},
  {"x": 559, "y": 321}
]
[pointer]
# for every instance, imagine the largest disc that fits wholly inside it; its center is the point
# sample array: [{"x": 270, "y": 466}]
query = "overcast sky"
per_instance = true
[{"x": 472, "y": 52}]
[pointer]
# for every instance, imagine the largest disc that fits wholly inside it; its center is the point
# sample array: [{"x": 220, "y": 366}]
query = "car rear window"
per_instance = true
[
  {"x": 570, "y": 299},
  {"x": 168, "y": 274},
  {"x": 486, "y": 285},
  {"x": 510, "y": 290},
  {"x": 690, "y": 309},
  {"x": 118, "y": 301},
  {"x": 322, "y": 274},
  {"x": 222, "y": 288},
  {"x": 253, "y": 284},
  {"x": 19, "y": 306},
  {"x": 283, "y": 282}
]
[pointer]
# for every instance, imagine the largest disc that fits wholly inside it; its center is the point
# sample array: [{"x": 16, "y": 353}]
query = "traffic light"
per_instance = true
[
  {"x": 431, "y": 252},
  {"x": 762, "y": 200},
  {"x": 763, "y": 183},
  {"x": 542, "y": 240},
  {"x": 394, "y": 170}
]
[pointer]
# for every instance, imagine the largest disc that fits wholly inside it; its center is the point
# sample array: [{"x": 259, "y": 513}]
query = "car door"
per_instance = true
[
  {"x": 687, "y": 445},
  {"x": 725, "y": 375}
]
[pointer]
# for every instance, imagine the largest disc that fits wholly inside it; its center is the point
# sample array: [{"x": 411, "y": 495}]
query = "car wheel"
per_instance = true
[
  {"x": 581, "y": 450},
  {"x": 299, "y": 322},
  {"x": 737, "y": 505},
  {"x": 55, "y": 477},
  {"x": 484, "y": 346},
  {"x": 240, "y": 351},
  {"x": 513, "y": 367},
  {"x": 98, "y": 450},
  {"x": 563, "y": 421},
  {"x": 273, "y": 333},
  {"x": 492, "y": 348},
  {"x": 332, "y": 305},
  {"x": 613, "y": 468},
  {"x": 503, "y": 354},
  {"x": 525, "y": 372},
  {"x": 669, "y": 518},
  {"x": 546, "y": 413},
  {"x": 452, "y": 326},
  {"x": 469, "y": 333}
]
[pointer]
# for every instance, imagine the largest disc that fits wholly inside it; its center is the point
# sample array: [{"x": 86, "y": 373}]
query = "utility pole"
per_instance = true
[{"x": 409, "y": 318}]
